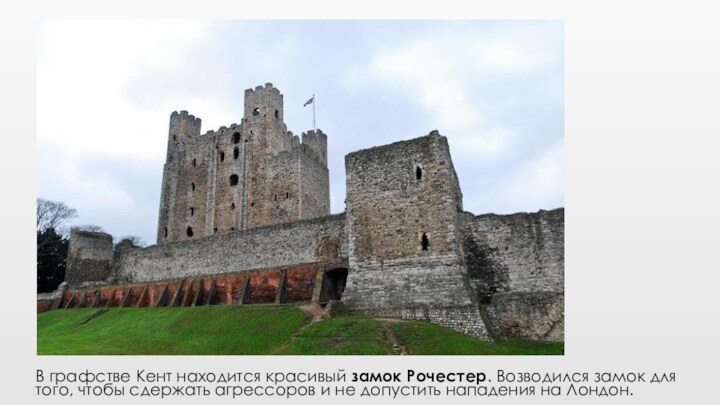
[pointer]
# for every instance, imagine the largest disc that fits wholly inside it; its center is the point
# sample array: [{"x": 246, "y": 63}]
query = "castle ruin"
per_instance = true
[{"x": 245, "y": 218}]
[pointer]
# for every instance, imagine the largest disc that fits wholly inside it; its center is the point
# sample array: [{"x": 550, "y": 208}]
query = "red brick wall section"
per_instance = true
[
  {"x": 300, "y": 282},
  {"x": 207, "y": 286},
  {"x": 90, "y": 299},
  {"x": 263, "y": 288},
  {"x": 79, "y": 300},
  {"x": 44, "y": 305},
  {"x": 236, "y": 282},
  {"x": 190, "y": 290},
  {"x": 171, "y": 290},
  {"x": 65, "y": 298},
  {"x": 105, "y": 295}
]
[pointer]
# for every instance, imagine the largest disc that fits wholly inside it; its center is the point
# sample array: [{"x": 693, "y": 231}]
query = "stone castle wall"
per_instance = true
[
  {"x": 308, "y": 241},
  {"x": 516, "y": 265},
  {"x": 89, "y": 259}
]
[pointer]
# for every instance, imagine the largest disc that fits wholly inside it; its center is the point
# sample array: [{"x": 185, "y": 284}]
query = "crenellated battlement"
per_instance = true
[
  {"x": 316, "y": 141},
  {"x": 268, "y": 87}
]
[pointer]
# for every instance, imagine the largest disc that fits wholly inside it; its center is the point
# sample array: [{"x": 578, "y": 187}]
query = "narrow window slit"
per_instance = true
[{"x": 425, "y": 242}]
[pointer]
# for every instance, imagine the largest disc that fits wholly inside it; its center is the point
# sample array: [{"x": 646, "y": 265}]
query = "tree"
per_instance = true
[
  {"x": 53, "y": 214},
  {"x": 135, "y": 240},
  {"x": 52, "y": 250},
  {"x": 52, "y": 243},
  {"x": 89, "y": 228}
]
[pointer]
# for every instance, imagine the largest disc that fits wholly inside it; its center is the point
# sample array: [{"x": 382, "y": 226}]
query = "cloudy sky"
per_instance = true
[{"x": 106, "y": 90}]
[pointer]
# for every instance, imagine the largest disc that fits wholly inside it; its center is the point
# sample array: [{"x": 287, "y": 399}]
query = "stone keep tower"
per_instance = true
[
  {"x": 247, "y": 175},
  {"x": 404, "y": 235}
]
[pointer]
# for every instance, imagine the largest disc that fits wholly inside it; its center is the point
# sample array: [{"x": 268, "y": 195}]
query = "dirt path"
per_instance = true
[
  {"x": 396, "y": 346},
  {"x": 314, "y": 311}
]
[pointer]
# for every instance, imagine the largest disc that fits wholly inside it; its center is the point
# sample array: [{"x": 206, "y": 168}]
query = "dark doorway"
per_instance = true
[{"x": 333, "y": 284}]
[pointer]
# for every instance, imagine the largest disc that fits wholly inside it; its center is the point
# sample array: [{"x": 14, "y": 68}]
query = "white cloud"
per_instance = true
[
  {"x": 94, "y": 190},
  {"x": 83, "y": 68},
  {"x": 85, "y": 113},
  {"x": 446, "y": 71}
]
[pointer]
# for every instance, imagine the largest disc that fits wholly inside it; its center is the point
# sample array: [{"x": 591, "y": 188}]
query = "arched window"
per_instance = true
[
  {"x": 256, "y": 111},
  {"x": 236, "y": 137},
  {"x": 194, "y": 162},
  {"x": 192, "y": 211},
  {"x": 166, "y": 232},
  {"x": 222, "y": 156},
  {"x": 232, "y": 206},
  {"x": 192, "y": 186},
  {"x": 234, "y": 180},
  {"x": 189, "y": 231},
  {"x": 418, "y": 173},
  {"x": 277, "y": 114},
  {"x": 236, "y": 153}
]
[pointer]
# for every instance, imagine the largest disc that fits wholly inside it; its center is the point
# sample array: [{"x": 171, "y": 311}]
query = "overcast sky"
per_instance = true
[{"x": 106, "y": 90}]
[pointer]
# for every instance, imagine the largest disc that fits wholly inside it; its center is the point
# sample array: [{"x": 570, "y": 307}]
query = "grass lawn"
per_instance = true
[
  {"x": 342, "y": 335},
  {"x": 427, "y": 338},
  {"x": 183, "y": 330},
  {"x": 252, "y": 329}
]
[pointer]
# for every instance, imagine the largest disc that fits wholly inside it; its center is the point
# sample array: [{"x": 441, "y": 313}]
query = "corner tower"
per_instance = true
[
  {"x": 404, "y": 236},
  {"x": 286, "y": 179},
  {"x": 183, "y": 133}
]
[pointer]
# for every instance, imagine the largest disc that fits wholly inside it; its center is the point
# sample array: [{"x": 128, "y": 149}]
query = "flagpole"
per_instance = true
[{"x": 314, "y": 102}]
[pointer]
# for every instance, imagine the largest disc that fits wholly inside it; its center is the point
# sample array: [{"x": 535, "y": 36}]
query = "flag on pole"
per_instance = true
[{"x": 309, "y": 101}]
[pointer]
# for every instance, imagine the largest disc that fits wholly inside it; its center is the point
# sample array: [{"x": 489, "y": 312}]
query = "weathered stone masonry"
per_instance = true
[
  {"x": 256, "y": 199},
  {"x": 247, "y": 175},
  {"x": 404, "y": 235}
]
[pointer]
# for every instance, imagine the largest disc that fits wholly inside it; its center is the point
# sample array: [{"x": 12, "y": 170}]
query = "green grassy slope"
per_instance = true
[
  {"x": 427, "y": 338},
  {"x": 254, "y": 329},
  {"x": 182, "y": 330},
  {"x": 343, "y": 335}
]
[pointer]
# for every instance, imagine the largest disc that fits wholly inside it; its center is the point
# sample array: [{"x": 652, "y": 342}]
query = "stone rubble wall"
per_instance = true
[
  {"x": 404, "y": 236},
  {"x": 516, "y": 265},
  {"x": 279, "y": 245},
  {"x": 90, "y": 256}
]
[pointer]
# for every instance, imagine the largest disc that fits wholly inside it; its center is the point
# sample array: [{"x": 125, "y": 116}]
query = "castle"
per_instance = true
[{"x": 245, "y": 218}]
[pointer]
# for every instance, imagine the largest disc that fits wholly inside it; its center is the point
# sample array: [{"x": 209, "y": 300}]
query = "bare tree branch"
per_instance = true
[
  {"x": 53, "y": 214},
  {"x": 89, "y": 228}
]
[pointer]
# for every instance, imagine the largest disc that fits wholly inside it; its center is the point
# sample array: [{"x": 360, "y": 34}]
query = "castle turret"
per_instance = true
[
  {"x": 263, "y": 118},
  {"x": 183, "y": 128},
  {"x": 317, "y": 142}
]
